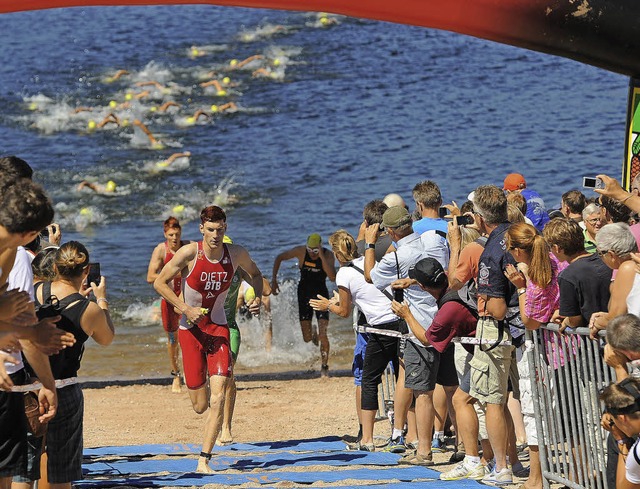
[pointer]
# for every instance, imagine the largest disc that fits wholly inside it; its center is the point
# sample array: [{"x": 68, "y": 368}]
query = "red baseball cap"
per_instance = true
[{"x": 514, "y": 181}]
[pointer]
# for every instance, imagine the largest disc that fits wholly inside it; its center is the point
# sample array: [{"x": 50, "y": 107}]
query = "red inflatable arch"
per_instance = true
[{"x": 604, "y": 33}]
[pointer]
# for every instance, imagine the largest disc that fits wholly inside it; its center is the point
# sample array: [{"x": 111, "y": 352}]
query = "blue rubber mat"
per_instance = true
[
  {"x": 406, "y": 474},
  {"x": 267, "y": 461},
  {"x": 329, "y": 443}
]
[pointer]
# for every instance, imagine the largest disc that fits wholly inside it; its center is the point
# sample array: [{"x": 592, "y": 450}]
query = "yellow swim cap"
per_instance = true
[
  {"x": 91, "y": 124},
  {"x": 194, "y": 52},
  {"x": 178, "y": 209},
  {"x": 128, "y": 96},
  {"x": 33, "y": 106},
  {"x": 191, "y": 120},
  {"x": 233, "y": 62},
  {"x": 226, "y": 80},
  {"x": 113, "y": 104},
  {"x": 314, "y": 240},
  {"x": 214, "y": 108},
  {"x": 111, "y": 186},
  {"x": 85, "y": 211},
  {"x": 124, "y": 123},
  {"x": 227, "y": 239},
  {"x": 276, "y": 62},
  {"x": 162, "y": 164},
  {"x": 324, "y": 20},
  {"x": 153, "y": 109},
  {"x": 221, "y": 93},
  {"x": 157, "y": 145}
]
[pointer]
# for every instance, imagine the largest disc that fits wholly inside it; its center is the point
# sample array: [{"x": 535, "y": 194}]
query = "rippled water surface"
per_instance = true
[{"x": 346, "y": 113}]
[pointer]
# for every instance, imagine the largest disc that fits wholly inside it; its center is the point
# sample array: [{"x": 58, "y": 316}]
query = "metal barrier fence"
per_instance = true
[{"x": 567, "y": 371}]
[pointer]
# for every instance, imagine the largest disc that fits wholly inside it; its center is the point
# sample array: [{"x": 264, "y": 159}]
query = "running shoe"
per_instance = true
[
  {"x": 502, "y": 478},
  {"x": 395, "y": 445},
  {"x": 438, "y": 445},
  {"x": 520, "y": 470},
  {"x": 360, "y": 447},
  {"x": 464, "y": 471}
]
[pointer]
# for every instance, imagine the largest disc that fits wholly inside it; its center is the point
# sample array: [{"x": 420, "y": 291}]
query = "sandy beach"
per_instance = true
[
  {"x": 266, "y": 410},
  {"x": 279, "y": 407}
]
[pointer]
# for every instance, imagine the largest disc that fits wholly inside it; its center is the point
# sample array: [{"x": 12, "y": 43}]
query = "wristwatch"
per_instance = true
[
  {"x": 521, "y": 291},
  {"x": 370, "y": 246}
]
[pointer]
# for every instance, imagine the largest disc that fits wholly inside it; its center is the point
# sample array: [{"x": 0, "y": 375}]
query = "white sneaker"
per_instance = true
[
  {"x": 504, "y": 477},
  {"x": 464, "y": 471}
]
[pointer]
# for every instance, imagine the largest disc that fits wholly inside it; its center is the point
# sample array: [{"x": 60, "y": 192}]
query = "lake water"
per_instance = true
[{"x": 351, "y": 111}]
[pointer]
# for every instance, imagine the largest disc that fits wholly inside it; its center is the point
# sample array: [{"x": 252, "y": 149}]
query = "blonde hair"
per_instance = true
[
  {"x": 71, "y": 259},
  {"x": 469, "y": 235},
  {"x": 514, "y": 213},
  {"x": 343, "y": 245},
  {"x": 525, "y": 237}
]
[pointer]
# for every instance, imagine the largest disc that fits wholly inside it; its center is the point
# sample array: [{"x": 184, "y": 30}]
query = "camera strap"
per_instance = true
[{"x": 384, "y": 291}]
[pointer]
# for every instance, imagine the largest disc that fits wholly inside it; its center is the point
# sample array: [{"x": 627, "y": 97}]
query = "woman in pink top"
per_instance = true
[{"x": 538, "y": 294}]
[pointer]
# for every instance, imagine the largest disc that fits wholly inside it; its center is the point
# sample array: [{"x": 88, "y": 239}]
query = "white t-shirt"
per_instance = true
[
  {"x": 372, "y": 302},
  {"x": 21, "y": 278},
  {"x": 632, "y": 473},
  {"x": 633, "y": 299}
]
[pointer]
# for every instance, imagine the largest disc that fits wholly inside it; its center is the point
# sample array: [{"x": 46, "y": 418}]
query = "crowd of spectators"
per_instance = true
[
  {"x": 47, "y": 312},
  {"x": 483, "y": 273}
]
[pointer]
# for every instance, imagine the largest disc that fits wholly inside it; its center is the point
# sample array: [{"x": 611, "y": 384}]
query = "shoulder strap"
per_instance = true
[
  {"x": 384, "y": 291},
  {"x": 454, "y": 296},
  {"x": 441, "y": 233},
  {"x": 46, "y": 291},
  {"x": 70, "y": 299}
]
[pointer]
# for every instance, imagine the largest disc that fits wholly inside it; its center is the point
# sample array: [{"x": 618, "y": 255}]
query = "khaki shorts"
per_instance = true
[{"x": 490, "y": 370}]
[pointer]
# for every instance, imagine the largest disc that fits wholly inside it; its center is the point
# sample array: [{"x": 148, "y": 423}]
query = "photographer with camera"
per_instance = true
[
  {"x": 622, "y": 419},
  {"x": 420, "y": 363}
]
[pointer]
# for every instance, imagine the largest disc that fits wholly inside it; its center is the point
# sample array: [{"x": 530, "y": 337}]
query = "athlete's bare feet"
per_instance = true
[
  {"x": 203, "y": 466},
  {"x": 175, "y": 385},
  {"x": 224, "y": 438}
]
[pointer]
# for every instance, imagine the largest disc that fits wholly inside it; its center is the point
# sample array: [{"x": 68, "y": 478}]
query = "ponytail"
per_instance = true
[{"x": 540, "y": 271}]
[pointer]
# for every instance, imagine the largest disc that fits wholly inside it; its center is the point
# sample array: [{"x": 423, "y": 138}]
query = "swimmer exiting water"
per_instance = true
[
  {"x": 316, "y": 264},
  {"x": 161, "y": 255},
  {"x": 207, "y": 269}
]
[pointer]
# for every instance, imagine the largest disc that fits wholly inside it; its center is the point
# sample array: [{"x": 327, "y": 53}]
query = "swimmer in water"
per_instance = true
[
  {"x": 172, "y": 158},
  {"x": 117, "y": 75},
  {"x": 165, "y": 106},
  {"x": 155, "y": 143},
  {"x": 161, "y": 255},
  {"x": 108, "y": 188},
  {"x": 220, "y": 91},
  {"x": 111, "y": 118},
  {"x": 234, "y": 64},
  {"x": 228, "y": 107},
  {"x": 196, "y": 115}
]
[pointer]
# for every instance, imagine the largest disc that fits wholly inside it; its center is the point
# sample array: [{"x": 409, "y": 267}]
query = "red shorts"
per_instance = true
[
  {"x": 205, "y": 349},
  {"x": 170, "y": 318}
]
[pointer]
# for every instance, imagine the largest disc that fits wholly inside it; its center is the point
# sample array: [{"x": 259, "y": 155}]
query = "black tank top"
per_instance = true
[
  {"x": 66, "y": 363},
  {"x": 312, "y": 271}
]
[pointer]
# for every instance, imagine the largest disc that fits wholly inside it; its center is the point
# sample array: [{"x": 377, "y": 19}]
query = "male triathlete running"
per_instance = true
[
  {"x": 207, "y": 269},
  {"x": 161, "y": 255}
]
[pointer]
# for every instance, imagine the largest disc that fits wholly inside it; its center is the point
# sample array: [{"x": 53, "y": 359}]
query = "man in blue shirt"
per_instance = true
[
  {"x": 536, "y": 210},
  {"x": 420, "y": 363},
  {"x": 428, "y": 201}
]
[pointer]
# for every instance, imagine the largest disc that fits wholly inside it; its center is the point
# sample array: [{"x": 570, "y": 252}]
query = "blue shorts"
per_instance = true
[{"x": 358, "y": 357}]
